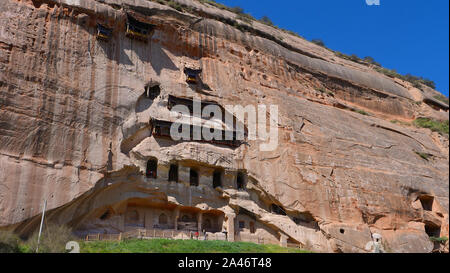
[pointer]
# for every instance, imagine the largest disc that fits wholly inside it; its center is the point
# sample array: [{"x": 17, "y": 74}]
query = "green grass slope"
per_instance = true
[{"x": 181, "y": 246}]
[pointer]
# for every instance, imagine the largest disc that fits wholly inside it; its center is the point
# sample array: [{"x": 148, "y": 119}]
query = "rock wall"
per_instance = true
[{"x": 74, "y": 114}]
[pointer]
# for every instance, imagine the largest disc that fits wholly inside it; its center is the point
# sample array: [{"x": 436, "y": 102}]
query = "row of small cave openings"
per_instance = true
[{"x": 152, "y": 172}]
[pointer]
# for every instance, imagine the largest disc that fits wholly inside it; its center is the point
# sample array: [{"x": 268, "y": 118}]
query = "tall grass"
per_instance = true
[{"x": 434, "y": 125}]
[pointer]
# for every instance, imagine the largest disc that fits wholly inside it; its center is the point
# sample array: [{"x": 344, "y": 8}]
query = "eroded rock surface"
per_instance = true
[{"x": 74, "y": 129}]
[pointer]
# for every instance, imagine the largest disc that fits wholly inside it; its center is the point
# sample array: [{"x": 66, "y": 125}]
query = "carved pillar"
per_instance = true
[
  {"x": 175, "y": 217},
  {"x": 283, "y": 240},
  {"x": 199, "y": 221},
  {"x": 148, "y": 222},
  {"x": 230, "y": 227},
  {"x": 122, "y": 222}
]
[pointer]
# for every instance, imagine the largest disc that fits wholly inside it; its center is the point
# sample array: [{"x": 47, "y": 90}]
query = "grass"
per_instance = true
[
  {"x": 423, "y": 155},
  {"x": 439, "y": 239},
  {"x": 359, "y": 111},
  {"x": 400, "y": 122},
  {"x": 181, "y": 246},
  {"x": 434, "y": 125}
]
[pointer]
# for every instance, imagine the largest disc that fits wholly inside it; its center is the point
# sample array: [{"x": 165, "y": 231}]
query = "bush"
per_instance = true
[
  {"x": 423, "y": 155},
  {"x": 371, "y": 60},
  {"x": 434, "y": 125},
  {"x": 359, "y": 111},
  {"x": 439, "y": 239},
  {"x": 318, "y": 42},
  {"x": 9, "y": 242},
  {"x": 53, "y": 238},
  {"x": 266, "y": 20}
]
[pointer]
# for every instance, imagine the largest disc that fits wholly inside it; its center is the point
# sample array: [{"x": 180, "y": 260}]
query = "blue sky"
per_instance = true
[{"x": 410, "y": 36}]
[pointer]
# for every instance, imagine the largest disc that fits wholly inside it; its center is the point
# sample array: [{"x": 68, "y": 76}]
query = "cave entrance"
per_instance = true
[
  {"x": 433, "y": 230},
  {"x": 427, "y": 202},
  {"x": 152, "y": 91},
  {"x": 103, "y": 33},
  {"x": 192, "y": 75},
  {"x": 277, "y": 209},
  {"x": 152, "y": 166},
  {"x": 173, "y": 173},
  {"x": 240, "y": 180},
  {"x": 193, "y": 177},
  {"x": 217, "y": 179},
  {"x": 138, "y": 30}
]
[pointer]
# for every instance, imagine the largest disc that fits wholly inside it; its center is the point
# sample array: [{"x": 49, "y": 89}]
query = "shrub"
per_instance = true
[
  {"x": 266, "y": 20},
  {"x": 175, "y": 5},
  {"x": 423, "y": 155},
  {"x": 53, "y": 238},
  {"x": 318, "y": 42},
  {"x": 9, "y": 242},
  {"x": 400, "y": 122},
  {"x": 439, "y": 239},
  {"x": 359, "y": 111},
  {"x": 434, "y": 125},
  {"x": 371, "y": 60}
]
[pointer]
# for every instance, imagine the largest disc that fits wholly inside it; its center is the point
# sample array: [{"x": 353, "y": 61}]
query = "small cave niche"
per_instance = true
[
  {"x": 106, "y": 215},
  {"x": 241, "y": 225},
  {"x": 152, "y": 90},
  {"x": 427, "y": 202},
  {"x": 193, "y": 177},
  {"x": 217, "y": 178},
  {"x": 432, "y": 230},
  {"x": 240, "y": 180},
  {"x": 341, "y": 230},
  {"x": 173, "y": 173},
  {"x": 277, "y": 209},
  {"x": 37, "y": 3},
  {"x": 306, "y": 219},
  {"x": 152, "y": 168}
]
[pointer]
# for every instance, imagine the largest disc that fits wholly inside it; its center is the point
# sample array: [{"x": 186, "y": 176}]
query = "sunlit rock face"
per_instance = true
[{"x": 75, "y": 130}]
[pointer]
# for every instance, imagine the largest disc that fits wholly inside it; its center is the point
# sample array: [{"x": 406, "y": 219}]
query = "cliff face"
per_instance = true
[{"x": 74, "y": 127}]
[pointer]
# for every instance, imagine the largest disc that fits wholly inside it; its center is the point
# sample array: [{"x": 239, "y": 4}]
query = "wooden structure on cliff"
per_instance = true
[{"x": 138, "y": 30}]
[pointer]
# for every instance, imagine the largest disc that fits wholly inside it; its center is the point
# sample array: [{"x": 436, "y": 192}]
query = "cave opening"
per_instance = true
[
  {"x": 240, "y": 181},
  {"x": 193, "y": 177},
  {"x": 152, "y": 91},
  {"x": 277, "y": 209},
  {"x": 427, "y": 202},
  {"x": 217, "y": 179},
  {"x": 152, "y": 166},
  {"x": 173, "y": 173},
  {"x": 432, "y": 230}
]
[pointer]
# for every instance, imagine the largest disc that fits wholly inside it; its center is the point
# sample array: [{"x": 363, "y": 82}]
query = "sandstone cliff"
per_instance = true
[{"x": 74, "y": 126}]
